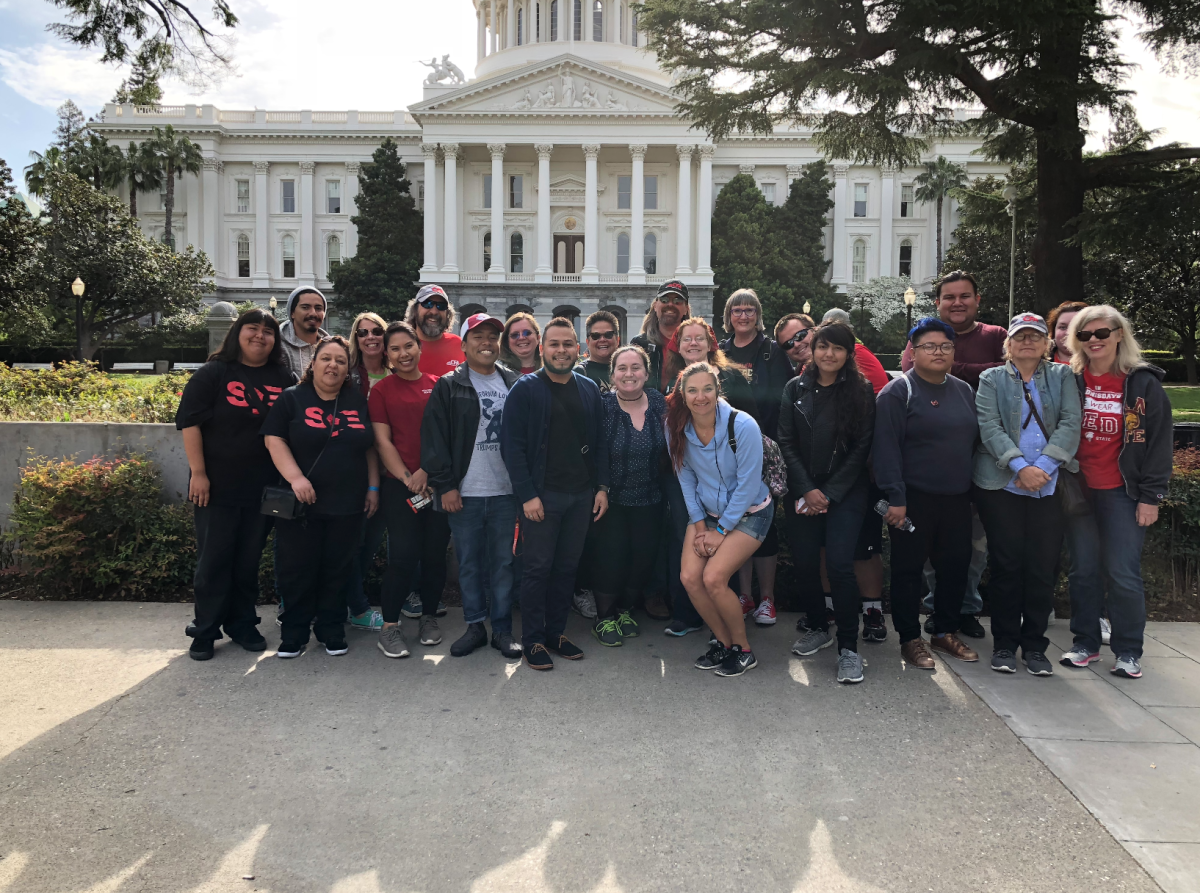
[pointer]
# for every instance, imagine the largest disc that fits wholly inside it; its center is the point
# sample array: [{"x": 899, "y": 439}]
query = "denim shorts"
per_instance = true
[{"x": 755, "y": 524}]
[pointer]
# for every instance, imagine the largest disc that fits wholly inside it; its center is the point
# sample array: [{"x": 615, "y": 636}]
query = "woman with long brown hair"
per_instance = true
[{"x": 520, "y": 343}]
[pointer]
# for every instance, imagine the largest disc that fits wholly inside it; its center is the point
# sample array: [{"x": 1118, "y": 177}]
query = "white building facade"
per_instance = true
[{"x": 558, "y": 179}]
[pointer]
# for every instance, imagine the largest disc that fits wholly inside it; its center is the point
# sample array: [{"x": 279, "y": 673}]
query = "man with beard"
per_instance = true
[
  {"x": 301, "y": 331},
  {"x": 670, "y": 308},
  {"x": 431, "y": 314}
]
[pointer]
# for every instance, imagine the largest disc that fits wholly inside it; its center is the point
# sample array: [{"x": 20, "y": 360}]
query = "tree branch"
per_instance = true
[{"x": 1128, "y": 167}]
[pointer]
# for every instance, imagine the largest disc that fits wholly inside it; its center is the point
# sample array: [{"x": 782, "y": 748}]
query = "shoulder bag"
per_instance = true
[
  {"x": 280, "y": 501},
  {"x": 774, "y": 470},
  {"x": 1075, "y": 501}
]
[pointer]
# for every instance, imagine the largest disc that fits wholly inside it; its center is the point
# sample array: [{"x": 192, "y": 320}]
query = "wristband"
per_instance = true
[
  {"x": 721, "y": 530},
  {"x": 373, "y": 489}
]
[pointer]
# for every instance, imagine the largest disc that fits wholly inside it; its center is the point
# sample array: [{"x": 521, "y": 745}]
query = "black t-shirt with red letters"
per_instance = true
[
  {"x": 309, "y": 424},
  {"x": 229, "y": 402}
]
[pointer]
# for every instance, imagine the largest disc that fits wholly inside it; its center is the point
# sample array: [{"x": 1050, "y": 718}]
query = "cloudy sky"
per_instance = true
[{"x": 362, "y": 54}]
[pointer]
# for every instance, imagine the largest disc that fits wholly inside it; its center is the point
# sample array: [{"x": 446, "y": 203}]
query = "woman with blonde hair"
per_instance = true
[
  {"x": 520, "y": 343},
  {"x": 368, "y": 366},
  {"x": 1125, "y": 458}
]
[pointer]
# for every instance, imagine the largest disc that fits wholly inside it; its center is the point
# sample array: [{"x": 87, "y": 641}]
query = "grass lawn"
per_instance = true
[
  {"x": 133, "y": 381},
  {"x": 1185, "y": 403}
]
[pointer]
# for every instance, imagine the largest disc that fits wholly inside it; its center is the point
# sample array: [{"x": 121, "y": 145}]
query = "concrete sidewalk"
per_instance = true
[
  {"x": 125, "y": 766},
  {"x": 1129, "y": 749}
]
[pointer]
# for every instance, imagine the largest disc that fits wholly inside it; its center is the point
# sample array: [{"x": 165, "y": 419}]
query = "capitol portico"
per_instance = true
[{"x": 557, "y": 179}]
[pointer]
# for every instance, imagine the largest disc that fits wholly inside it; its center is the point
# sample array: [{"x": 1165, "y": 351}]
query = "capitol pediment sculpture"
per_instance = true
[
  {"x": 546, "y": 99},
  {"x": 585, "y": 97},
  {"x": 444, "y": 71}
]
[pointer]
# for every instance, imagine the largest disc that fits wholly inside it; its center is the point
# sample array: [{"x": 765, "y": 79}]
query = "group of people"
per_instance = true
[{"x": 651, "y": 474}]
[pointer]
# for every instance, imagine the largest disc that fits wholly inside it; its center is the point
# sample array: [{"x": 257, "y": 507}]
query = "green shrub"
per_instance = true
[
  {"x": 99, "y": 528},
  {"x": 79, "y": 392},
  {"x": 1175, "y": 540}
]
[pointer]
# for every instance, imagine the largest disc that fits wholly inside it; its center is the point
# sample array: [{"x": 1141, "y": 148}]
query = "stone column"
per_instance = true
[
  {"x": 480, "y": 35},
  {"x": 493, "y": 43},
  {"x": 212, "y": 188},
  {"x": 683, "y": 228},
  {"x": 306, "y": 223},
  {"x": 510, "y": 30},
  {"x": 192, "y": 202},
  {"x": 450, "y": 230},
  {"x": 351, "y": 242},
  {"x": 886, "y": 214},
  {"x": 611, "y": 17},
  {"x": 838, "y": 250},
  {"x": 545, "y": 242},
  {"x": 568, "y": 7},
  {"x": 262, "y": 274},
  {"x": 429, "y": 208},
  {"x": 496, "y": 270},
  {"x": 704, "y": 213},
  {"x": 637, "y": 203},
  {"x": 591, "y": 215}
]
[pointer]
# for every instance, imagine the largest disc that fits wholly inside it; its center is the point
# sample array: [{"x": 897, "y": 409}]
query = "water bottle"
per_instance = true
[{"x": 906, "y": 525}]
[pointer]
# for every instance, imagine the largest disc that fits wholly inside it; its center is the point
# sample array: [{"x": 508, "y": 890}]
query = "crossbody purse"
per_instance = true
[
  {"x": 1075, "y": 502},
  {"x": 280, "y": 501}
]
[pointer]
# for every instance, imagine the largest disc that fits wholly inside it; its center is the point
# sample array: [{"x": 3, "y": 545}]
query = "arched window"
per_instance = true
[
  {"x": 858, "y": 272},
  {"x": 243, "y": 256},
  {"x": 333, "y": 255},
  {"x": 621, "y": 22},
  {"x": 633, "y": 37},
  {"x": 289, "y": 257},
  {"x": 906, "y": 258},
  {"x": 516, "y": 253},
  {"x": 598, "y": 21},
  {"x": 554, "y": 19},
  {"x": 537, "y": 23},
  {"x": 520, "y": 26},
  {"x": 623, "y": 253},
  {"x": 650, "y": 253},
  {"x": 487, "y": 251},
  {"x": 577, "y": 19}
]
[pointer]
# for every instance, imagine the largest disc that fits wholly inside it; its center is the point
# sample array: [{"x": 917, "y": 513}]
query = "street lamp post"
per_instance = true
[
  {"x": 807, "y": 308},
  {"x": 77, "y": 289},
  {"x": 272, "y": 304},
  {"x": 910, "y": 298},
  {"x": 1010, "y": 196}
]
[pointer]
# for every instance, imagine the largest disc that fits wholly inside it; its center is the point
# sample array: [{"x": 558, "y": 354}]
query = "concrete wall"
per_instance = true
[{"x": 83, "y": 440}]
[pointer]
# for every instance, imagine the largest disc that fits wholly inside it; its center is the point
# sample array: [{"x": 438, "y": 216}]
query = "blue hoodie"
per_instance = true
[{"x": 716, "y": 480}]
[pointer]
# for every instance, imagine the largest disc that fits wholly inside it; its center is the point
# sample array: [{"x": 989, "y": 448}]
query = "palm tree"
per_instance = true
[
  {"x": 177, "y": 155},
  {"x": 43, "y": 165},
  {"x": 142, "y": 172},
  {"x": 100, "y": 163},
  {"x": 941, "y": 178}
]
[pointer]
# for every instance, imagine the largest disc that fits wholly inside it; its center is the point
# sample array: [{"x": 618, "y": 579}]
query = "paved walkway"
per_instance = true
[
  {"x": 1129, "y": 749},
  {"x": 125, "y": 766}
]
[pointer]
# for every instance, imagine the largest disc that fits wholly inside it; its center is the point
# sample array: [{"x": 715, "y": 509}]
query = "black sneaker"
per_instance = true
[
  {"x": 475, "y": 637},
  {"x": 336, "y": 647},
  {"x": 737, "y": 662},
  {"x": 538, "y": 658},
  {"x": 289, "y": 649},
  {"x": 1037, "y": 664},
  {"x": 606, "y": 633},
  {"x": 712, "y": 658},
  {"x": 202, "y": 649},
  {"x": 969, "y": 625},
  {"x": 565, "y": 648},
  {"x": 251, "y": 641},
  {"x": 506, "y": 644},
  {"x": 873, "y": 628},
  {"x": 1004, "y": 661}
]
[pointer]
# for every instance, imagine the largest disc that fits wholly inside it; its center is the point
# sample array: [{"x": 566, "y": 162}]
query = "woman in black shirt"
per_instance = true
[
  {"x": 220, "y": 414},
  {"x": 320, "y": 437}
]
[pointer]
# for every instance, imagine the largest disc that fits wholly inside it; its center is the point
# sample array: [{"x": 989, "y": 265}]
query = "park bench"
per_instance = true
[
  {"x": 45, "y": 366},
  {"x": 132, "y": 367},
  {"x": 186, "y": 367}
]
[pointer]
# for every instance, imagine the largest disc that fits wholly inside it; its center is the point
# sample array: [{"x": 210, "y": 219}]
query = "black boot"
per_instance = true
[{"x": 475, "y": 637}]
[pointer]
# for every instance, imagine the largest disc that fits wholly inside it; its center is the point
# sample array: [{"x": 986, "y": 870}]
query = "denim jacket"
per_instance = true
[{"x": 1000, "y": 405}]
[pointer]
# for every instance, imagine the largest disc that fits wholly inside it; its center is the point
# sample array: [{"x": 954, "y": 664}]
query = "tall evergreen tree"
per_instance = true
[
  {"x": 742, "y": 247},
  {"x": 19, "y": 239},
  {"x": 799, "y": 253},
  {"x": 143, "y": 87},
  {"x": 69, "y": 131},
  {"x": 383, "y": 273}
]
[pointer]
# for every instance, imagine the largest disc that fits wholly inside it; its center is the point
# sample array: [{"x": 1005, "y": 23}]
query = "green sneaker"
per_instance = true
[
  {"x": 607, "y": 634},
  {"x": 367, "y": 620},
  {"x": 627, "y": 626}
]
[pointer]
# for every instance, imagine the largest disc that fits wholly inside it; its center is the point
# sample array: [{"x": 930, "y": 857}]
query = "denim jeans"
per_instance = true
[
  {"x": 972, "y": 600},
  {"x": 374, "y": 530},
  {"x": 550, "y": 552},
  {"x": 483, "y": 535},
  {"x": 1107, "y": 546}
]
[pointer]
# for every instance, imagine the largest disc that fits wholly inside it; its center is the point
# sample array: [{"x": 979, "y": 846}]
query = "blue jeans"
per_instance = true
[
  {"x": 483, "y": 542},
  {"x": 374, "y": 530},
  {"x": 972, "y": 600},
  {"x": 1107, "y": 545}
]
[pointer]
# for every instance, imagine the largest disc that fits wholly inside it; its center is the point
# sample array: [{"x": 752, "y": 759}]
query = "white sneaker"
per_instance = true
[
  {"x": 1105, "y": 631},
  {"x": 584, "y": 604}
]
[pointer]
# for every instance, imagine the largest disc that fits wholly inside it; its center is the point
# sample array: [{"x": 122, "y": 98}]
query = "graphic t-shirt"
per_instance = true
[
  {"x": 229, "y": 401},
  {"x": 487, "y": 474},
  {"x": 309, "y": 424},
  {"x": 744, "y": 357},
  {"x": 599, "y": 372},
  {"x": 441, "y": 357},
  {"x": 400, "y": 404},
  {"x": 1103, "y": 430}
]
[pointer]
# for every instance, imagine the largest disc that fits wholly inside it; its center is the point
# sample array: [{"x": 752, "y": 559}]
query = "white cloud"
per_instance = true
[{"x": 51, "y": 73}]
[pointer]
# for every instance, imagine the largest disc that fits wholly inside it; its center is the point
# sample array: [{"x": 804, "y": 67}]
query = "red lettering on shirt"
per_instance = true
[
  {"x": 314, "y": 417},
  {"x": 237, "y": 394},
  {"x": 352, "y": 419}
]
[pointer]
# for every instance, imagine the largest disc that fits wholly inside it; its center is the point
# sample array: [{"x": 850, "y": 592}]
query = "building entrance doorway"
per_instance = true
[{"x": 568, "y": 254}]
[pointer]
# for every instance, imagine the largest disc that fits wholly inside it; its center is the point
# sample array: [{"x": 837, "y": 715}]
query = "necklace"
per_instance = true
[{"x": 637, "y": 399}]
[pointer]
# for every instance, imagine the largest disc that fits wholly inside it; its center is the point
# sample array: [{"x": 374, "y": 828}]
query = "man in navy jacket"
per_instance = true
[{"x": 558, "y": 464}]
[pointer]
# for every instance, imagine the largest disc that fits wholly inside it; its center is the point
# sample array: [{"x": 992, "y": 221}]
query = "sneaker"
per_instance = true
[
  {"x": 627, "y": 626},
  {"x": 430, "y": 632},
  {"x": 1078, "y": 656},
  {"x": 565, "y": 648},
  {"x": 1004, "y": 661},
  {"x": 584, "y": 604},
  {"x": 1037, "y": 664},
  {"x": 251, "y": 641},
  {"x": 201, "y": 649},
  {"x": 1105, "y": 631},
  {"x": 475, "y": 637},
  {"x": 712, "y": 658},
  {"x": 370, "y": 621},
  {"x": 873, "y": 628},
  {"x": 412, "y": 606},
  {"x": 950, "y": 644},
  {"x": 392, "y": 643},
  {"x": 850, "y": 667},
  {"x": 656, "y": 608},
  {"x": 812, "y": 642},
  {"x": 538, "y": 658},
  {"x": 442, "y": 610},
  {"x": 747, "y": 603},
  {"x": 336, "y": 647},
  {"x": 506, "y": 644},
  {"x": 607, "y": 634},
  {"x": 289, "y": 649},
  {"x": 737, "y": 662},
  {"x": 679, "y": 629},
  {"x": 764, "y": 614},
  {"x": 1128, "y": 666},
  {"x": 969, "y": 625}
]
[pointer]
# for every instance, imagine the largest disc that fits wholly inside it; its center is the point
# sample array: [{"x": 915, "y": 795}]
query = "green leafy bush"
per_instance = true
[
  {"x": 1173, "y": 544},
  {"x": 80, "y": 392},
  {"x": 99, "y": 529}
]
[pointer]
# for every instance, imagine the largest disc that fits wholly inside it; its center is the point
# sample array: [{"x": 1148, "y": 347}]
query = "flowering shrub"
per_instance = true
[{"x": 80, "y": 392}]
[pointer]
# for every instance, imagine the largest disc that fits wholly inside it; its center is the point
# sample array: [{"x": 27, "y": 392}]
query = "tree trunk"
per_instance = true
[
  {"x": 87, "y": 347},
  {"x": 938, "y": 271},
  {"x": 133, "y": 199},
  {"x": 167, "y": 234},
  {"x": 1187, "y": 348}
]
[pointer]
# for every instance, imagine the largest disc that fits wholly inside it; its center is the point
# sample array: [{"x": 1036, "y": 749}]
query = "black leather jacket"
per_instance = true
[{"x": 807, "y": 440}]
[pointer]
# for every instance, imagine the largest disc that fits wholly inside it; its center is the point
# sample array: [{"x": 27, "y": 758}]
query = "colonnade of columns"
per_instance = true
[{"x": 498, "y": 26}]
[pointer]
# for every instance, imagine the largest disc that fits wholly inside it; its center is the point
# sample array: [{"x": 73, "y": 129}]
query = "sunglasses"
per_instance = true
[
  {"x": 524, "y": 333},
  {"x": 795, "y": 339},
  {"x": 1099, "y": 334},
  {"x": 431, "y": 304},
  {"x": 363, "y": 333},
  {"x": 678, "y": 300},
  {"x": 596, "y": 336}
]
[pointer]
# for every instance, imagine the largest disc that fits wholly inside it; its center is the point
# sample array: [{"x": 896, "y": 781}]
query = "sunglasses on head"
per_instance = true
[
  {"x": 432, "y": 304},
  {"x": 363, "y": 333},
  {"x": 1098, "y": 334},
  {"x": 795, "y": 339},
  {"x": 596, "y": 336}
]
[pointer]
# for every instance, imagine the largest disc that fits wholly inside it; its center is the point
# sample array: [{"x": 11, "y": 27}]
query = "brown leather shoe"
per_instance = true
[
  {"x": 916, "y": 654},
  {"x": 656, "y": 607},
  {"x": 954, "y": 646}
]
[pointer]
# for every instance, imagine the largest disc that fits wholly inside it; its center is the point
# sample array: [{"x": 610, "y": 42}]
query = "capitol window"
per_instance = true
[
  {"x": 288, "y": 196},
  {"x": 289, "y": 257},
  {"x": 906, "y": 258},
  {"x": 650, "y": 254},
  {"x": 577, "y": 19},
  {"x": 516, "y": 253},
  {"x": 623, "y": 253},
  {"x": 243, "y": 196},
  {"x": 333, "y": 197},
  {"x": 520, "y": 26},
  {"x": 554, "y": 19},
  {"x": 516, "y": 191},
  {"x": 906, "y": 200},
  {"x": 243, "y": 256},
  {"x": 650, "y": 193},
  {"x": 487, "y": 191},
  {"x": 598, "y": 21},
  {"x": 633, "y": 41},
  {"x": 624, "y": 188},
  {"x": 768, "y": 191},
  {"x": 487, "y": 251},
  {"x": 860, "y": 199},
  {"x": 858, "y": 271},
  {"x": 333, "y": 255}
]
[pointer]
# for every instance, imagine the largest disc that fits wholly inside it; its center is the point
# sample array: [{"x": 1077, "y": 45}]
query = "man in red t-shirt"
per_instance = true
[
  {"x": 977, "y": 345},
  {"x": 431, "y": 314}
]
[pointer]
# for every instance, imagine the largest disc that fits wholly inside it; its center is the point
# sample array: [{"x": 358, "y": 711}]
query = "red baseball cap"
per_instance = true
[{"x": 479, "y": 319}]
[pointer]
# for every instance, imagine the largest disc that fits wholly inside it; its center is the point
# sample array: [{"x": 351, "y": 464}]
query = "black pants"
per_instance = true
[
  {"x": 682, "y": 608},
  {"x": 416, "y": 544},
  {"x": 626, "y": 546},
  {"x": 1025, "y": 537},
  {"x": 943, "y": 536},
  {"x": 837, "y": 530},
  {"x": 550, "y": 557},
  {"x": 229, "y": 547},
  {"x": 315, "y": 555}
]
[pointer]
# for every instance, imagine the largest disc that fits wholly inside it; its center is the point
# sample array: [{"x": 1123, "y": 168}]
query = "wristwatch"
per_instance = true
[{"x": 603, "y": 488}]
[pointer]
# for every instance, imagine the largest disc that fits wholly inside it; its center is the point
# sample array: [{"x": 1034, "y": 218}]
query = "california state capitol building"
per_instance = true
[{"x": 557, "y": 179}]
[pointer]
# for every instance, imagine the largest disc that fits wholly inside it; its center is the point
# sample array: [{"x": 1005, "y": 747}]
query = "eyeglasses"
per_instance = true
[
  {"x": 1028, "y": 336},
  {"x": 795, "y": 339},
  {"x": 743, "y": 311},
  {"x": 931, "y": 349},
  {"x": 363, "y": 333},
  {"x": 524, "y": 333},
  {"x": 596, "y": 336},
  {"x": 431, "y": 304},
  {"x": 1099, "y": 334},
  {"x": 678, "y": 300}
]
